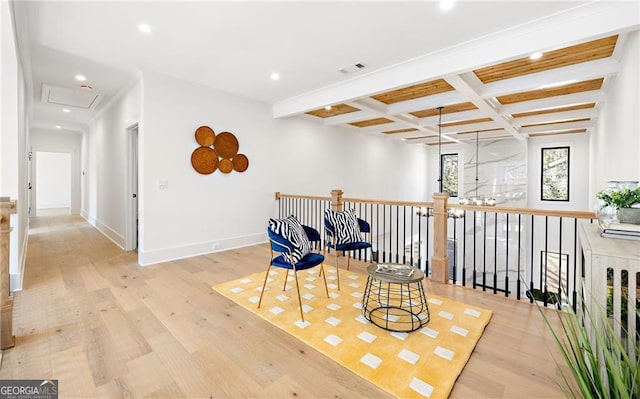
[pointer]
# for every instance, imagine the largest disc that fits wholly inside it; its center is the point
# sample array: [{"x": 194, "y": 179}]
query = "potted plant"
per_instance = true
[
  {"x": 600, "y": 366},
  {"x": 626, "y": 201}
]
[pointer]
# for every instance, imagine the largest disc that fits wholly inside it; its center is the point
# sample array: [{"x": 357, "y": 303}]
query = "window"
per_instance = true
[
  {"x": 449, "y": 165},
  {"x": 555, "y": 174}
]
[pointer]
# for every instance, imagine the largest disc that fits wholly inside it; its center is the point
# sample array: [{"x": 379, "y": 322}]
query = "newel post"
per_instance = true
[
  {"x": 7, "y": 340},
  {"x": 336, "y": 200},
  {"x": 440, "y": 258}
]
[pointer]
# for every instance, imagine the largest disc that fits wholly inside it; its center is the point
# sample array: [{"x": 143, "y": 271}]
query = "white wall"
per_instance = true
[
  {"x": 9, "y": 104},
  {"x": 63, "y": 142},
  {"x": 53, "y": 180},
  {"x": 296, "y": 156},
  {"x": 103, "y": 164},
  {"x": 578, "y": 172},
  {"x": 615, "y": 144},
  {"x": 13, "y": 143}
]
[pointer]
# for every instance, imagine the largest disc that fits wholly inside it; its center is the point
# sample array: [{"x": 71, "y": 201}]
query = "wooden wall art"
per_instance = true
[{"x": 217, "y": 152}]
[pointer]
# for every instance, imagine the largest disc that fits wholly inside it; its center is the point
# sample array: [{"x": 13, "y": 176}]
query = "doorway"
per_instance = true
[
  {"x": 132, "y": 189},
  {"x": 52, "y": 185}
]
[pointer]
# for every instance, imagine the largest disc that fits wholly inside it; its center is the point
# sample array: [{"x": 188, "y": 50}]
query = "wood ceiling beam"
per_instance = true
[
  {"x": 437, "y": 100},
  {"x": 382, "y": 128},
  {"x": 380, "y": 109},
  {"x": 469, "y": 85},
  {"x": 408, "y": 135},
  {"x": 458, "y": 116},
  {"x": 471, "y": 127},
  {"x": 556, "y": 117},
  {"x": 487, "y": 136},
  {"x": 348, "y": 118},
  {"x": 597, "y": 96},
  {"x": 617, "y": 51},
  {"x": 558, "y": 127},
  {"x": 579, "y": 72}
]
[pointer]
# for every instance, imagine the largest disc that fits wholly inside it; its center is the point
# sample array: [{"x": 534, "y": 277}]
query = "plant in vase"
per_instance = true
[
  {"x": 601, "y": 366},
  {"x": 626, "y": 201}
]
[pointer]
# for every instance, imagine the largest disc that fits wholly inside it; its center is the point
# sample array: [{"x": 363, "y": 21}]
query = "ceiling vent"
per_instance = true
[
  {"x": 352, "y": 68},
  {"x": 84, "y": 98}
]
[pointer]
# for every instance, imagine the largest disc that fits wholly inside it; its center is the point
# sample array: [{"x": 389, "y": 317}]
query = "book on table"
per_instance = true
[
  {"x": 622, "y": 236},
  {"x": 395, "y": 270},
  {"x": 621, "y": 230}
]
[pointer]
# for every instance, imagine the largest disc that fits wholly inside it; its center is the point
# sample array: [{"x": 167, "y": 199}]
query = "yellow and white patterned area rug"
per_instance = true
[{"x": 423, "y": 363}]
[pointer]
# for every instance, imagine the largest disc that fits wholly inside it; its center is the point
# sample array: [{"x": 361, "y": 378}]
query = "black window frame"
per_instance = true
[
  {"x": 442, "y": 164},
  {"x": 542, "y": 173}
]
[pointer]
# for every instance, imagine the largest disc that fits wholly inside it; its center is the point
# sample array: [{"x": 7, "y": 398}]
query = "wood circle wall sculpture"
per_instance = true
[{"x": 223, "y": 156}]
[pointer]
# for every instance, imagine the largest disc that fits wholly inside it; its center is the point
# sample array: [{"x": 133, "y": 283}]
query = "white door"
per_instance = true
[{"x": 132, "y": 192}]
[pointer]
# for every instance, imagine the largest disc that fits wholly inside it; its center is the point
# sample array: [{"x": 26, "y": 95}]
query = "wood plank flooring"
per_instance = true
[{"x": 107, "y": 328}]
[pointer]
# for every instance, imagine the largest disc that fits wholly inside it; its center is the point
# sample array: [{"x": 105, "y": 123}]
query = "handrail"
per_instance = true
[
  {"x": 498, "y": 209},
  {"x": 383, "y": 202},
  {"x": 279, "y": 195},
  {"x": 311, "y": 197},
  {"x": 526, "y": 211}
]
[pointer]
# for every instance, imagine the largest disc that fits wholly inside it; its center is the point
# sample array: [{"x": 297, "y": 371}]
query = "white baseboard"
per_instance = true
[
  {"x": 111, "y": 234},
  {"x": 16, "y": 280},
  {"x": 146, "y": 258}
]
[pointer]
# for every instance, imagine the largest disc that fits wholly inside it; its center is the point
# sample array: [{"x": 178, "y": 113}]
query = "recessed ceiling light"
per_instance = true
[
  {"x": 275, "y": 76},
  {"x": 328, "y": 107},
  {"x": 144, "y": 28},
  {"x": 58, "y": 127},
  {"x": 66, "y": 110},
  {"x": 81, "y": 78},
  {"x": 446, "y": 5},
  {"x": 535, "y": 56}
]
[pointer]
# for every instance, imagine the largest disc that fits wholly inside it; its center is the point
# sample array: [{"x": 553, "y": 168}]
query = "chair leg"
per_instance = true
[
  {"x": 348, "y": 259},
  {"x": 326, "y": 289},
  {"x": 286, "y": 276},
  {"x": 295, "y": 274},
  {"x": 337, "y": 270},
  {"x": 266, "y": 276},
  {"x": 324, "y": 253}
]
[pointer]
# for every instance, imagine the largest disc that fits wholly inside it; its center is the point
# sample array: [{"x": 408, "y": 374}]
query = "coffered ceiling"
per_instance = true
[
  {"x": 384, "y": 67},
  {"x": 558, "y": 93}
]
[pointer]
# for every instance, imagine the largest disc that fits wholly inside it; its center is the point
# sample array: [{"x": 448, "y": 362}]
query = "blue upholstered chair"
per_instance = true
[
  {"x": 282, "y": 250},
  {"x": 332, "y": 241}
]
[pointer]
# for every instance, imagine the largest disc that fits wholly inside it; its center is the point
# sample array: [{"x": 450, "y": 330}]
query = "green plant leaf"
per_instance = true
[{"x": 600, "y": 365}]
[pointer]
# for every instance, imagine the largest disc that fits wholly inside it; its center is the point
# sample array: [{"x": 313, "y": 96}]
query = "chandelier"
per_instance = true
[{"x": 477, "y": 200}]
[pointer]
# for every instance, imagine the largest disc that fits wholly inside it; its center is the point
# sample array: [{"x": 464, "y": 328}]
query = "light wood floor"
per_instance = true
[{"x": 105, "y": 327}]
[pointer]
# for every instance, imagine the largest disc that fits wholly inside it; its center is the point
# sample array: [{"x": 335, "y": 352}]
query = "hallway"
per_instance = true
[{"x": 105, "y": 327}]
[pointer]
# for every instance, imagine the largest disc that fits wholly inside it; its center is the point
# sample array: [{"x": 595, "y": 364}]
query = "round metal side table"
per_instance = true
[{"x": 395, "y": 303}]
